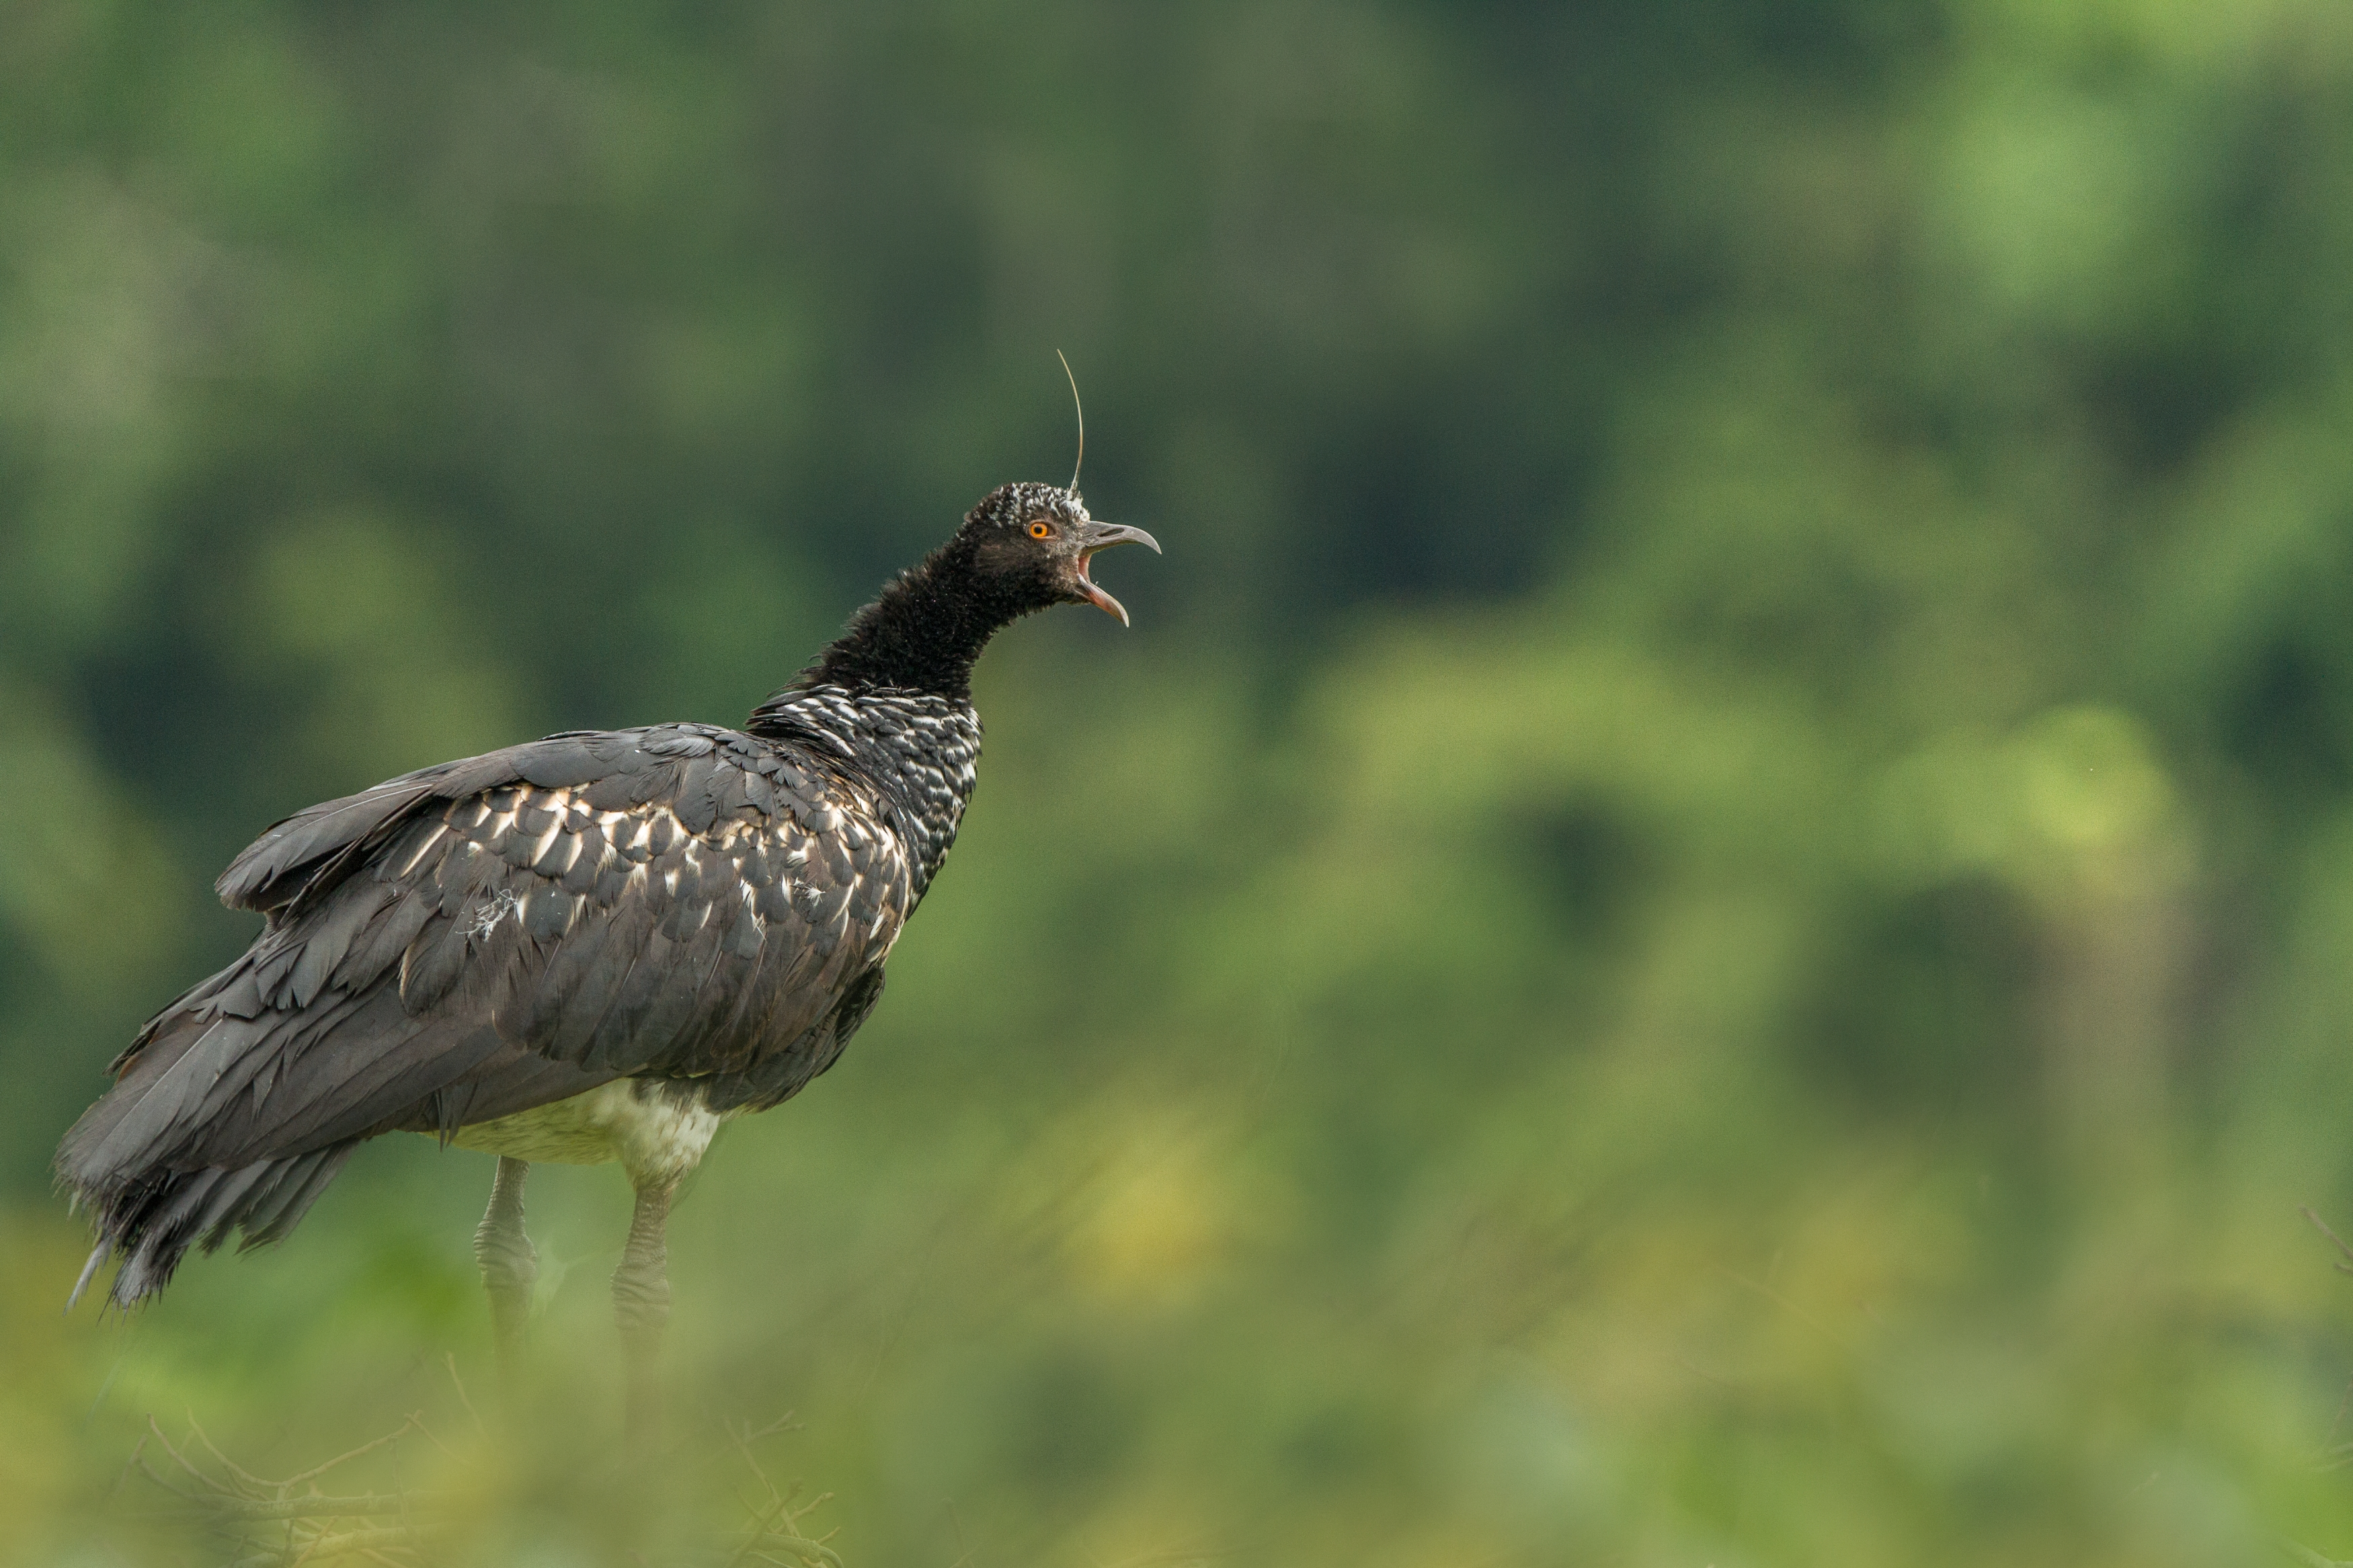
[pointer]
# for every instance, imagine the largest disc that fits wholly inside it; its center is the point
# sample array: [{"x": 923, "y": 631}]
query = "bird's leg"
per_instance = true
[
  {"x": 510, "y": 1264},
  {"x": 641, "y": 1307}
]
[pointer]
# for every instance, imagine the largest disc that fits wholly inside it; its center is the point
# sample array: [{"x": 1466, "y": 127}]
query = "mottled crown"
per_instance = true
[{"x": 1010, "y": 506}]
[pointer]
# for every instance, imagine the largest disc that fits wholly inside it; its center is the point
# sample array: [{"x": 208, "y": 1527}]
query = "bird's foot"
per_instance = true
[
  {"x": 641, "y": 1311},
  {"x": 510, "y": 1265}
]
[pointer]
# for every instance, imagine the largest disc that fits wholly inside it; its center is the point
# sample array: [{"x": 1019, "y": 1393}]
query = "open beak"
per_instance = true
[{"x": 1102, "y": 536}]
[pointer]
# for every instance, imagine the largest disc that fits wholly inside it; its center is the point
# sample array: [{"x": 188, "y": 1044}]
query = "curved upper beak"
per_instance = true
[{"x": 1102, "y": 536}]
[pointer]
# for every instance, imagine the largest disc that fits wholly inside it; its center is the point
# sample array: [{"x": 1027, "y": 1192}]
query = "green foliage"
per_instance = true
[{"x": 1705, "y": 920}]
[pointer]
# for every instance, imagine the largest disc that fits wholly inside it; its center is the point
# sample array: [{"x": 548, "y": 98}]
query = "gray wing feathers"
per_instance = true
[
  {"x": 321, "y": 843},
  {"x": 484, "y": 936}
]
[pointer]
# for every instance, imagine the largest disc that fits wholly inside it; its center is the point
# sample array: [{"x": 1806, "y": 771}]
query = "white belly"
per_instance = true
[{"x": 658, "y": 1136}]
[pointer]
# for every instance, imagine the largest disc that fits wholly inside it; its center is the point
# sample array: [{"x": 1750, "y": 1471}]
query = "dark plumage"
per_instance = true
[{"x": 697, "y": 914}]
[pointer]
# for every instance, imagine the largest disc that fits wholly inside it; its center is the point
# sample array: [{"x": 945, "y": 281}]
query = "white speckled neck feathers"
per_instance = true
[{"x": 919, "y": 748}]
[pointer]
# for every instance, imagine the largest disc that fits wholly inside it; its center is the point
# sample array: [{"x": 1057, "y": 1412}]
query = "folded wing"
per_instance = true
[{"x": 485, "y": 936}]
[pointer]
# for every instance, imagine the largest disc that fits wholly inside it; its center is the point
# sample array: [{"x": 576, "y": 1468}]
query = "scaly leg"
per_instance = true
[
  {"x": 510, "y": 1265},
  {"x": 641, "y": 1307}
]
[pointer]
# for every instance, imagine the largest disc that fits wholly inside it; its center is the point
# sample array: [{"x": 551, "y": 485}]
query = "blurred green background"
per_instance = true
[{"x": 1708, "y": 919}]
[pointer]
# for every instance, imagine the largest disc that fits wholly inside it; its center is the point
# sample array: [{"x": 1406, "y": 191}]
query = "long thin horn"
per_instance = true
[{"x": 1082, "y": 423}]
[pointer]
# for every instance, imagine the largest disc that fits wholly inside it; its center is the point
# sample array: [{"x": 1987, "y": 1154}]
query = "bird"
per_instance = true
[{"x": 598, "y": 946}]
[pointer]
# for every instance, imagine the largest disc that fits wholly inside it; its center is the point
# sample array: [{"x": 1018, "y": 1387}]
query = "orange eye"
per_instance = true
[{"x": 1042, "y": 530}]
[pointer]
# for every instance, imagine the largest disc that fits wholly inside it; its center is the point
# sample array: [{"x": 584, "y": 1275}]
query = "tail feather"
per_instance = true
[
  {"x": 275, "y": 1212},
  {"x": 150, "y": 1220}
]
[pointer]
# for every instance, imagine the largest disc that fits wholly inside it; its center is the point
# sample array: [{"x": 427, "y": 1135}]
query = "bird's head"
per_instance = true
[
  {"x": 1024, "y": 548},
  {"x": 1027, "y": 544}
]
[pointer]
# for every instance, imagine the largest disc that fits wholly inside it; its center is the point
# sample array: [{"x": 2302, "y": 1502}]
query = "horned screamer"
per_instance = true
[{"x": 596, "y": 946}]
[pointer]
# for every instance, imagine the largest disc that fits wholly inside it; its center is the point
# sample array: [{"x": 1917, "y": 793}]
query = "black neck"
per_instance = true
[{"x": 922, "y": 634}]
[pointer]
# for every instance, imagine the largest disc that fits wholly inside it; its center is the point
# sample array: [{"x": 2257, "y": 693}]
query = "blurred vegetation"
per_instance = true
[{"x": 1705, "y": 922}]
